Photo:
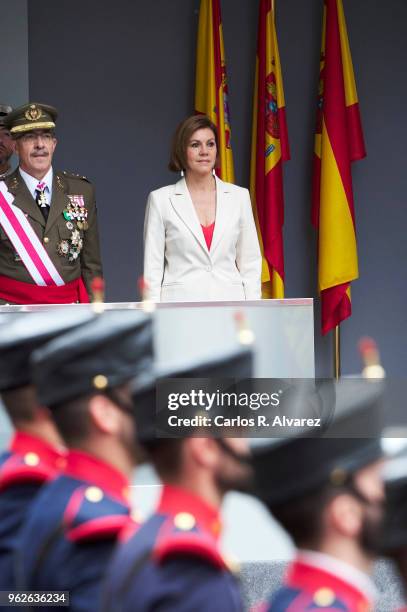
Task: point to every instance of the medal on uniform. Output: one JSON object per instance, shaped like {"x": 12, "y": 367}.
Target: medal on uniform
{"x": 75, "y": 215}
{"x": 63, "y": 248}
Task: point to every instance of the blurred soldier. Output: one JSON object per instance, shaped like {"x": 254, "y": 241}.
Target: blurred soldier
{"x": 328, "y": 494}
{"x": 6, "y": 143}
{"x": 393, "y": 535}
{"x": 75, "y": 522}
{"x": 173, "y": 562}
{"x": 35, "y": 455}
{"x": 49, "y": 246}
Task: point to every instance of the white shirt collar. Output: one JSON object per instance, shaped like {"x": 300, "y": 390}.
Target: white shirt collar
{"x": 350, "y": 574}
{"x": 32, "y": 182}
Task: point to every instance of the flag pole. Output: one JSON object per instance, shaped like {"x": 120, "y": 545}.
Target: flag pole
{"x": 337, "y": 352}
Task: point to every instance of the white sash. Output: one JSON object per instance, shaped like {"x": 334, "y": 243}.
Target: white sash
{"x": 26, "y": 242}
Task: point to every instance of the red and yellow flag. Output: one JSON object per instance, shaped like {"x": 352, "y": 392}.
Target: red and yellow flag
{"x": 211, "y": 88}
{"x": 338, "y": 142}
{"x": 269, "y": 149}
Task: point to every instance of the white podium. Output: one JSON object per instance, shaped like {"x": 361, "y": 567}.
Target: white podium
{"x": 283, "y": 329}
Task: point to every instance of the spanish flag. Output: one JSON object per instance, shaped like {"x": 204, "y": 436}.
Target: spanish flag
{"x": 338, "y": 142}
{"x": 211, "y": 88}
{"x": 269, "y": 149}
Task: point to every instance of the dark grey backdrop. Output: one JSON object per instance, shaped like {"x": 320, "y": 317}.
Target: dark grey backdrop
{"x": 122, "y": 75}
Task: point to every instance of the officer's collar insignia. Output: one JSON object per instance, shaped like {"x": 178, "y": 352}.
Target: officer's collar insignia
{"x": 33, "y": 113}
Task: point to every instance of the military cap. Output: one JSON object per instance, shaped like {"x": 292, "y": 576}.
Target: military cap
{"x": 236, "y": 364}
{"x": 287, "y": 468}
{"x": 115, "y": 347}
{"x": 32, "y": 116}
{"x": 4, "y": 111}
{"x": 22, "y": 333}
{"x": 393, "y": 534}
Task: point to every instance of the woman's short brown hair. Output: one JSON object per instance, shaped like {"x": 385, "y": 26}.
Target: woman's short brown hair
{"x": 182, "y": 136}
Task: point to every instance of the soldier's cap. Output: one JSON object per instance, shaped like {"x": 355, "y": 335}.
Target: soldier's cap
{"x": 22, "y": 333}
{"x": 236, "y": 364}
{"x": 4, "y": 111}
{"x": 113, "y": 348}
{"x": 393, "y": 534}
{"x": 288, "y": 468}
{"x": 32, "y": 116}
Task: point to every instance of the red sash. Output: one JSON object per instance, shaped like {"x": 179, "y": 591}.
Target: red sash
{"x": 16, "y": 292}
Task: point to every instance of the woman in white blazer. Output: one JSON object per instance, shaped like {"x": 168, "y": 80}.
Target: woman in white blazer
{"x": 200, "y": 239}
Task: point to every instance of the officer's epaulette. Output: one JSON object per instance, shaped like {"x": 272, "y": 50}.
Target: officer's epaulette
{"x": 91, "y": 514}
{"x": 181, "y": 536}
{"x": 72, "y": 175}
{"x": 24, "y": 469}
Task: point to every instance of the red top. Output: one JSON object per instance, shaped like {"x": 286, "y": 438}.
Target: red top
{"x": 86, "y": 467}
{"x": 208, "y": 234}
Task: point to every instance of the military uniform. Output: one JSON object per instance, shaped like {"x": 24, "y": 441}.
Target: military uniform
{"x": 77, "y": 520}
{"x": 73, "y": 527}
{"x": 306, "y": 463}
{"x": 69, "y": 235}
{"x": 31, "y": 461}
{"x": 56, "y": 231}
{"x": 173, "y": 561}
{"x": 309, "y": 586}
{"x": 28, "y": 464}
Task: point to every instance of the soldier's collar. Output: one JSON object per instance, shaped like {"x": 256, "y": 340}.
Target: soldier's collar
{"x": 178, "y": 501}
{"x": 336, "y": 573}
{"x": 37, "y": 450}
{"x": 98, "y": 473}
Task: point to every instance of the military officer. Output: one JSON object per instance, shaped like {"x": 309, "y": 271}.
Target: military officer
{"x": 36, "y": 453}
{"x": 327, "y": 492}
{"x": 49, "y": 245}
{"x": 6, "y": 143}
{"x": 76, "y": 520}
{"x": 174, "y": 562}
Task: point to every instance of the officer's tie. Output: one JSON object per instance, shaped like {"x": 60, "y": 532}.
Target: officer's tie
{"x": 41, "y": 199}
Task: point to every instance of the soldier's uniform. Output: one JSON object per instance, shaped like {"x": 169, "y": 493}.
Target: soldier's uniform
{"x": 317, "y": 581}
{"x": 28, "y": 464}
{"x": 30, "y": 461}
{"x": 322, "y": 583}
{"x": 76, "y": 520}
{"x": 69, "y": 235}
{"x": 174, "y": 561}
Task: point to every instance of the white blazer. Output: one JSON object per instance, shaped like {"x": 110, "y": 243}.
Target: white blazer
{"x": 178, "y": 267}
